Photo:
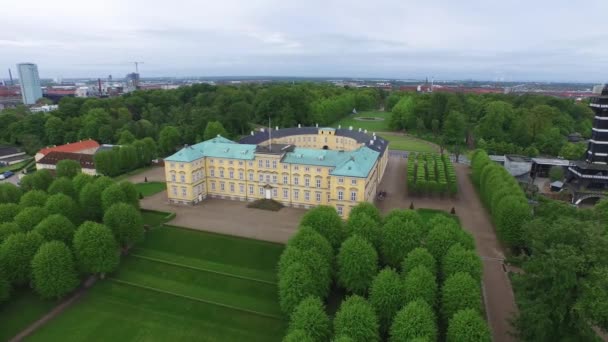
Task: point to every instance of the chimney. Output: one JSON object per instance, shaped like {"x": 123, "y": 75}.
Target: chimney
{"x": 371, "y": 142}
{"x": 317, "y": 125}
{"x": 374, "y": 134}
{"x": 262, "y": 130}
{"x": 339, "y": 126}
{"x": 365, "y": 131}
{"x": 251, "y": 132}
{"x": 350, "y": 128}
{"x": 276, "y": 128}
{"x": 359, "y": 129}
{"x": 374, "y": 137}
{"x": 299, "y": 126}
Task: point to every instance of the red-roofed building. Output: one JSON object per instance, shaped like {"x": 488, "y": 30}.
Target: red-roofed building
{"x": 84, "y": 146}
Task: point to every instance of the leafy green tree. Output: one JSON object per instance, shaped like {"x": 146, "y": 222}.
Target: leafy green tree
{"x": 39, "y": 180}
{"x": 80, "y": 181}
{"x": 398, "y": 239}
{"x": 7, "y": 229}
{"x": 8, "y": 211}
{"x": 56, "y": 227}
{"x": 326, "y": 221}
{"x": 213, "y": 129}
{"x": 593, "y": 302}
{"x": 312, "y": 260}
{"x": 16, "y": 253}
{"x": 458, "y": 259}
{"x": 307, "y": 239}
{"x": 126, "y": 223}
{"x": 357, "y": 264}
{"x": 108, "y": 162}
{"x": 454, "y": 129}
{"x": 54, "y": 130}
{"x": 419, "y": 256}
{"x": 415, "y": 320}
{"x": 443, "y": 236}
{"x": 420, "y": 283}
{"x": 556, "y": 173}
{"x": 112, "y": 195}
{"x": 459, "y": 291}
{"x": 364, "y": 226}
{"x": 64, "y": 186}
{"x": 168, "y": 139}
{"x": 386, "y": 296}
{"x": 65, "y": 206}
{"x": 356, "y": 319}
{"x": 90, "y": 201}
{"x": 29, "y": 217}
{"x": 34, "y": 198}
{"x": 5, "y": 288}
{"x": 511, "y": 214}
{"x": 68, "y": 168}
{"x": 53, "y": 271}
{"x": 297, "y": 336}
{"x": 96, "y": 249}
{"x": 573, "y": 151}
{"x": 367, "y": 208}
{"x": 9, "y": 193}
{"x": 295, "y": 284}
{"x": 468, "y": 326}
{"x": 131, "y": 193}
{"x": 405, "y": 215}
{"x": 310, "y": 317}
{"x": 125, "y": 138}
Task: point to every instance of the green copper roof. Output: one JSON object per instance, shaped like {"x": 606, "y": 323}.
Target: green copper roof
{"x": 218, "y": 147}
{"x": 357, "y": 163}
{"x": 327, "y": 129}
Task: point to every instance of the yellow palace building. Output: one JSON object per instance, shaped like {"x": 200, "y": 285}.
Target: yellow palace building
{"x": 299, "y": 167}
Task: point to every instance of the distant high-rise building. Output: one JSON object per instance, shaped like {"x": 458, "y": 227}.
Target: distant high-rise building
{"x": 132, "y": 81}
{"x": 30, "y": 83}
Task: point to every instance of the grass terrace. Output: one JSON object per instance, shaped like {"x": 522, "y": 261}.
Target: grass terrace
{"x": 399, "y": 141}
{"x": 150, "y": 188}
{"x": 181, "y": 284}
{"x": 24, "y": 308}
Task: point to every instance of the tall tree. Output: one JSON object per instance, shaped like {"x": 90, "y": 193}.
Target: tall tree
{"x": 53, "y": 271}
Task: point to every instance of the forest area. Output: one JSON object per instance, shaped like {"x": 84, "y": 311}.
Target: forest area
{"x": 527, "y": 124}
{"x": 182, "y": 116}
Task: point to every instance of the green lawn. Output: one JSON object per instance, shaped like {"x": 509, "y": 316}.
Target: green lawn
{"x": 373, "y": 126}
{"x": 23, "y": 308}
{"x": 407, "y": 143}
{"x": 16, "y": 166}
{"x": 154, "y": 218}
{"x": 150, "y": 188}
{"x": 181, "y": 285}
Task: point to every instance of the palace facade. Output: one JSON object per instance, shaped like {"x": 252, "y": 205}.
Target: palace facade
{"x": 299, "y": 167}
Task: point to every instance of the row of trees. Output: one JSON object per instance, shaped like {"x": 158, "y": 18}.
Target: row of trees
{"x": 188, "y": 110}
{"x": 130, "y": 156}
{"x": 402, "y": 276}
{"x": 503, "y": 197}
{"x": 500, "y": 124}
{"x": 54, "y": 233}
{"x": 431, "y": 173}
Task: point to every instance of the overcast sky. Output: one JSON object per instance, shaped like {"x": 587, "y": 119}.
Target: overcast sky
{"x": 553, "y": 40}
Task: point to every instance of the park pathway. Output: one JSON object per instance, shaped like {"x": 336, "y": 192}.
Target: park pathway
{"x": 497, "y": 291}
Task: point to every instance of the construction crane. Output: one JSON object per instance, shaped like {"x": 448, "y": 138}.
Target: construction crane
{"x": 137, "y": 66}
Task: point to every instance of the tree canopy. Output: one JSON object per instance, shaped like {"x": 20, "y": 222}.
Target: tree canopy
{"x": 53, "y": 271}
{"x": 357, "y": 320}
{"x": 357, "y": 264}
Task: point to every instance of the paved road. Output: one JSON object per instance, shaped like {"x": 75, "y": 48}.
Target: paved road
{"x": 498, "y": 294}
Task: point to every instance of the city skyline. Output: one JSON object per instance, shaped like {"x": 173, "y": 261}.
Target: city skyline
{"x": 504, "y": 41}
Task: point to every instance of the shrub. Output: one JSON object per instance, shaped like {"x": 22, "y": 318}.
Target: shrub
{"x": 420, "y": 283}
{"x": 53, "y": 272}
{"x": 56, "y": 227}
{"x": 315, "y": 263}
{"x": 468, "y": 326}
{"x": 126, "y": 223}
{"x": 8, "y": 211}
{"x": 63, "y": 186}
{"x": 16, "y": 254}
{"x": 356, "y": 319}
{"x": 34, "y": 198}
{"x": 63, "y": 205}
{"x": 29, "y": 217}
{"x": 415, "y": 320}
{"x": 364, "y": 226}
{"x": 458, "y": 259}
{"x": 398, "y": 239}
{"x": 95, "y": 248}
{"x": 326, "y": 221}
{"x": 386, "y": 296}
{"x": 310, "y": 317}
{"x": 459, "y": 291}
{"x": 419, "y": 257}
{"x": 295, "y": 284}
{"x": 357, "y": 264}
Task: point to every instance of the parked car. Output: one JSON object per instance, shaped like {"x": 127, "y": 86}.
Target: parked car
{"x": 6, "y": 175}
